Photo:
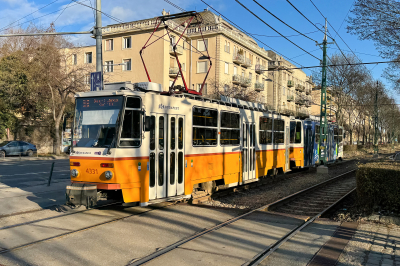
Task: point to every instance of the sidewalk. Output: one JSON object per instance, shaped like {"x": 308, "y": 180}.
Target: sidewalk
{"x": 373, "y": 244}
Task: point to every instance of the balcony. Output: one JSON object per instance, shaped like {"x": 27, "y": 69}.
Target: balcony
{"x": 179, "y": 50}
{"x": 247, "y": 62}
{"x": 260, "y": 69}
{"x": 290, "y": 83}
{"x": 290, "y": 97}
{"x": 173, "y": 72}
{"x": 238, "y": 59}
{"x": 302, "y": 112}
{"x": 246, "y": 82}
{"x": 236, "y": 79}
{"x": 274, "y": 64}
{"x": 258, "y": 86}
{"x": 287, "y": 111}
{"x": 300, "y": 87}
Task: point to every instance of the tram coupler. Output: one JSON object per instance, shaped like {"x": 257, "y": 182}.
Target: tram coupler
{"x": 81, "y": 194}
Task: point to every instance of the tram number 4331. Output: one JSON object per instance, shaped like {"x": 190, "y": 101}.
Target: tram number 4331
{"x": 91, "y": 171}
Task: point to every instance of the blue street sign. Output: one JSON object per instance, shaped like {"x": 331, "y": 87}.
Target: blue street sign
{"x": 95, "y": 81}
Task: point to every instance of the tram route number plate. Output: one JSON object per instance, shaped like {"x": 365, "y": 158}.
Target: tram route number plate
{"x": 91, "y": 171}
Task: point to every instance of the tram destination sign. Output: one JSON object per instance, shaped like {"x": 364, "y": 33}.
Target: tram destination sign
{"x": 100, "y": 103}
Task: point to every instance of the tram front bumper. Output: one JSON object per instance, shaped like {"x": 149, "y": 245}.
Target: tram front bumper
{"x": 81, "y": 194}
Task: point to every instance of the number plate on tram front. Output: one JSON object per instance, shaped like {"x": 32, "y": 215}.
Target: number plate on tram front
{"x": 91, "y": 171}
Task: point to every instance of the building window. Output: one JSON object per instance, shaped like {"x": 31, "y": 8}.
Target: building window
{"x": 283, "y": 90}
{"x": 204, "y": 88}
{"x": 127, "y": 42}
{"x": 74, "y": 59}
{"x": 201, "y": 46}
{"x": 109, "y": 66}
{"x": 226, "y": 88}
{"x": 234, "y": 70}
{"x": 229, "y": 47}
{"x": 127, "y": 65}
{"x": 205, "y": 127}
{"x": 183, "y": 66}
{"x": 88, "y": 58}
{"x": 202, "y": 67}
{"x": 109, "y": 45}
{"x": 226, "y": 68}
{"x": 172, "y": 39}
{"x": 250, "y": 76}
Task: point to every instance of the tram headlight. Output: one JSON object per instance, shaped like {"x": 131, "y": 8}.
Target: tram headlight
{"x": 74, "y": 173}
{"x": 108, "y": 175}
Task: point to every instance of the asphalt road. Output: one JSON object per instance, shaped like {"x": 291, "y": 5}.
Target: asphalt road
{"x": 23, "y": 185}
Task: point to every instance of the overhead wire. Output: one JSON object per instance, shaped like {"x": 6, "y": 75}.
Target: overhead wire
{"x": 62, "y": 11}
{"x": 346, "y": 16}
{"x": 307, "y": 18}
{"x": 339, "y": 36}
{"x": 275, "y": 29}
{"x": 233, "y": 23}
{"x": 2, "y": 29}
{"x": 283, "y": 22}
{"x": 274, "y": 36}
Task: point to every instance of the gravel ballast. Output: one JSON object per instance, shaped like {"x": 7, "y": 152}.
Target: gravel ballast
{"x": 258, "y": 197}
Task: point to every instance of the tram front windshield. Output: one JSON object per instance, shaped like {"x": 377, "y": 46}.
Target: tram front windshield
{"x": 96, "y": 121}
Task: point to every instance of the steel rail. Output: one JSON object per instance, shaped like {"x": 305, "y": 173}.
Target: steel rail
{"x": 221, "y": 225}
{"x": 5, "y": 250}
{"x": 267, "y": 252}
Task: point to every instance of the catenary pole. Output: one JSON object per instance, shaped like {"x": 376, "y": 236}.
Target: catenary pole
{"x": 322, "y": 120}
{"x": 98, "y": 34}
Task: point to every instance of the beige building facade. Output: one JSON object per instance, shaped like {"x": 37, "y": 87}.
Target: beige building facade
{"x": 237, "y": 61}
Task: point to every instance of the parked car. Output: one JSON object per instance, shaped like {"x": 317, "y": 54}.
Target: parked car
{"x": 17, "y": 148}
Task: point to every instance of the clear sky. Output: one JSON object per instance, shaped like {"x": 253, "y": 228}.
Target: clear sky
{"x": 70, "y": 16}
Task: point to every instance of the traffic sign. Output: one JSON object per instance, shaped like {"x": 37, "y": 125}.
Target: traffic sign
{"x": 96, "y": 81}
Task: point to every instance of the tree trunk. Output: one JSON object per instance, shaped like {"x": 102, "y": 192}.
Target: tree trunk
{"x": 56, "y": 146}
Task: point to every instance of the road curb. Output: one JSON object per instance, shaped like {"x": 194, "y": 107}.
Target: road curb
{"x": 20, "y": 159}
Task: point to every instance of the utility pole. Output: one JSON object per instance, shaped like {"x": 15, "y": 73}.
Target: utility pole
{"x": 392, "y": 137}
{"x": 323, "y": 121}
{"x": 98, "y": 34}
{"x": 376, "y": 150}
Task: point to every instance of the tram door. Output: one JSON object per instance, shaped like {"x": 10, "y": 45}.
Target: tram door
{"x": 166, "y": 166}
{"x": 287, "y": 148}
{"x": 249, "y": 151}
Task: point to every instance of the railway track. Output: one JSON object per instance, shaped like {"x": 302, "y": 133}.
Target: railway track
{"x": 319, "y": 207}
{"x": 270, "y": 180}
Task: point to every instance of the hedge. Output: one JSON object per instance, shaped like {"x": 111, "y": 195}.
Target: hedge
{"x": 378, "y": 184}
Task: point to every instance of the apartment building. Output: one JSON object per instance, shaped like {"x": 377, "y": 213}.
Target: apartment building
{"x": 290, "y": 89}
{"x": 237, "y": 60}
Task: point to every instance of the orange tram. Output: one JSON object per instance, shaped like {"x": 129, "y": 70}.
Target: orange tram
{"x": 133, "y": 143}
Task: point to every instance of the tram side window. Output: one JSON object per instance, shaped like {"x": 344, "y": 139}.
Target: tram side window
{"x": 317, "y": 129}
{"x": 205, "y": 126}
{"x": 298, "y": 132}
{"x": 335, "y": 133}
{"x": 292, "y": 131}
{"x": 279, "y": 131}
{"x": 230, "y": 129}
{"x": 131, "y": 127}
{"x": 265, "y": 131}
